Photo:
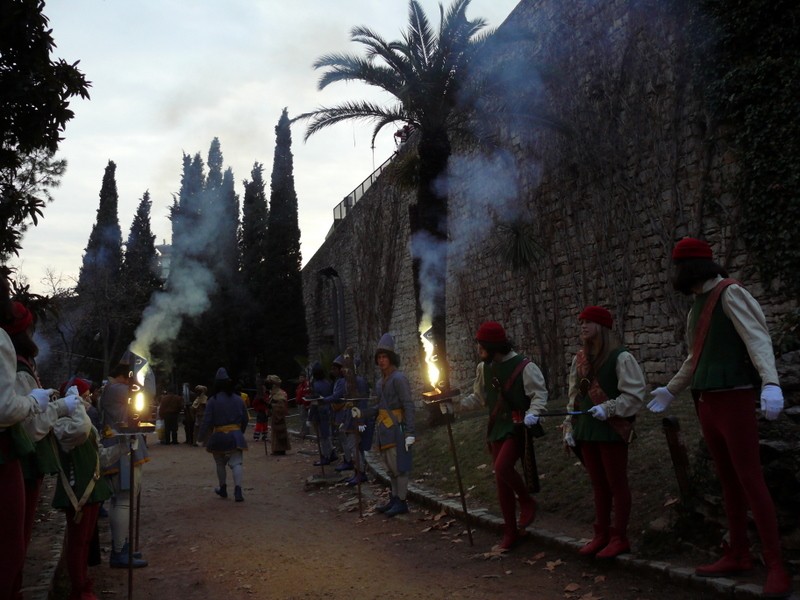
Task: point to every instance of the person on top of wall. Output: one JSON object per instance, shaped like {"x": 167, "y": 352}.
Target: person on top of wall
{"x": 514, "y": 391}
{"x": 605, "y": 382}
{"x": 729, "y": 368}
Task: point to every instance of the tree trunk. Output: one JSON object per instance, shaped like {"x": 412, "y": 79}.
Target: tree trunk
{"x": 428, "y": 223}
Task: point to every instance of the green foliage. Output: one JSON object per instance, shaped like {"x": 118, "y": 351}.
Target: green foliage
{"x": 749, "y": 69}
{"x": 34, "y": 110}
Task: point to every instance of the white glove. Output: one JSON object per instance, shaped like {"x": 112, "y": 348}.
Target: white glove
{"x": 410, "y": 439}
{"x": 530, "y": 420}
{"x": 662, "y": 398}
{"x": 308, "y": 424}
{"x": 362, "y": 428}
{"x": 771, "y": 401}
{"x": 569, "y": 439}
{"x": 71, "y": 402}
{"x": 72, "y": 391}
{"x": 598, "y": 412}
{"x": 42, "y": 397}
{"x": 356, "y": 412}
{"x": 446, "y": 408}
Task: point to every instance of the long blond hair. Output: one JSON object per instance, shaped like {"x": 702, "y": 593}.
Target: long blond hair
{"x": 599, "y": 348}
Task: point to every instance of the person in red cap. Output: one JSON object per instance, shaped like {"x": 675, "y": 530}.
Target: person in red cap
{"x": 607, "y": 384}
{"x": 729, "y": 368}
{"x": 16, "y": 406}
{"x": 513, "y": 389}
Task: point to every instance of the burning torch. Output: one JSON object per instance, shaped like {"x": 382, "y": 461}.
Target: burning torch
{"x": 443, "y": 395}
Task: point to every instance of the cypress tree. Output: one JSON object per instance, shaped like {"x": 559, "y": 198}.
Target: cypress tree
{"x": 254, "y": 252}
{"x": 139, "y": 267}
{"x": 100, "y": 285}
{"x": 286, "y": 338}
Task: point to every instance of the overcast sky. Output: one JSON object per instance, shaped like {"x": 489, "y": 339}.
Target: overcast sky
{"x": 170, "y": 75}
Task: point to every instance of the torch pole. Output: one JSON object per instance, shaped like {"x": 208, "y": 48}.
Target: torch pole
{"x": 448, "y": 418}
{"x": 359, "y": 471}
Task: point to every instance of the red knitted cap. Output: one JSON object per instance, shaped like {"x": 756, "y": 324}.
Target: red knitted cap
{"x": 492, "y": 332}
{"x": 597, "y": 314}
{"x": 691, "y": 248}
{"x": 23, "y": 318}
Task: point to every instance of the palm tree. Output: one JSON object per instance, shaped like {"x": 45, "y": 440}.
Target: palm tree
{"x": 425, "y": 72}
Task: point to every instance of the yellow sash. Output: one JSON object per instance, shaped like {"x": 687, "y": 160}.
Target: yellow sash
{"x": 226, "y": 428}
{"x": 384, "y": 418}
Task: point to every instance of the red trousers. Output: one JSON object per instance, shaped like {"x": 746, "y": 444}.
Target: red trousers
{"x": 12, "y": 526}
{"x": 78, "y": 543}
{"x": 728, "y": 422}
{"x": 510, "y": 484}
{"x": 607, "y": 465}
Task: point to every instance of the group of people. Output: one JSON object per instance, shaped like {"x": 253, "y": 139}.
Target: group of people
{"x": 327, "y": 403}
{"x": 45, "y": 431}
{"x": 191, "y": 404}
{"x": 730, "y": 369}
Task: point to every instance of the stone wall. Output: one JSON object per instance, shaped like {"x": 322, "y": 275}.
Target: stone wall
{"x": 621, "y": 162}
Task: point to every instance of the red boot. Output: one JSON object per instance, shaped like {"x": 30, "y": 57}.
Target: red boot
{"x": 598, "y": 542}
{"x": 617, "y": 544}
{"x": 731, "y": 563}
{"x": 509, "y": 539}
{"x": 779, "y": 583}
{"x": 527, "y": 512}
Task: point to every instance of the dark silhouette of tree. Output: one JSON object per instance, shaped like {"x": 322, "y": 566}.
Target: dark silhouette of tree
{"x": 100, "y": 285}
{"x": 254, "y": 274}
{"x": 286, "y": 338}
{"x": 34, "y": 110}
{"x": 425, "y": 72}
{"x": 140, "y": 277}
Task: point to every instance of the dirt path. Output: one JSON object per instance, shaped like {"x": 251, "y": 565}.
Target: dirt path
{"x": 286, "y": 541}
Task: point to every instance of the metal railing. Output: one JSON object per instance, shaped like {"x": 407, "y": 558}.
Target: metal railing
{"x": 340, "y": 210}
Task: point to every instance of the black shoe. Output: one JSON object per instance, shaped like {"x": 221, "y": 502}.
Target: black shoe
{"x": 322, "y": 462}
{"x": 221, "y": 491}
{"x": 384, "y": 507}
{"x": 119, "y": 560}
{"x": 237, "y": 494}
{"x": 400, "y": 507}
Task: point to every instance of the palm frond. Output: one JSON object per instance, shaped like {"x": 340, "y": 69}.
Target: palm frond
{"x": 359, "y": 111}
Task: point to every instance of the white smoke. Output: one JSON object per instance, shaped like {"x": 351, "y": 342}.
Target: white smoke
{"x": 190, "y": 284}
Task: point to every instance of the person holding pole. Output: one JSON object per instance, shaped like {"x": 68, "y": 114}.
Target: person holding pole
{"x": 608, "y": 386}
{"x": 394, "y": 428}
{"x": 730, "y": 367}
{"x": 513, "y": 389}
{"x": 124, "y": 481}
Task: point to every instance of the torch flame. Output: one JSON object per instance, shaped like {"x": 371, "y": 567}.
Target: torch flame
{"x": 430, "y": 358}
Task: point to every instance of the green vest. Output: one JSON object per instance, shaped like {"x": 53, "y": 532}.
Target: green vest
{"x": 79, "y": 466}
{"x": 42, "y": 461}
{"x": 585, "y": 427}
{"x": 515, "y": 399}
{"x": 20, "y": 444}
{"x": 724, "y": 362}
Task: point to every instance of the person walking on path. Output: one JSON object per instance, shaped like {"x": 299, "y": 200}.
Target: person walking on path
{"x": 224, "y": 424}
{"x": 279, "y": 410}
{"x": 729, "y": 368}
{"x": 394, "y": 429}
{"x": 513, "y": 389}
{"x": 607, "y": 384}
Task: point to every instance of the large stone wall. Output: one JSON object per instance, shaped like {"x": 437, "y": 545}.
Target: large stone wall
{"x": 625, "y": 162}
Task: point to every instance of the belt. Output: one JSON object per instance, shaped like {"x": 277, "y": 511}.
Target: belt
{"x": 226, "y": 428}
